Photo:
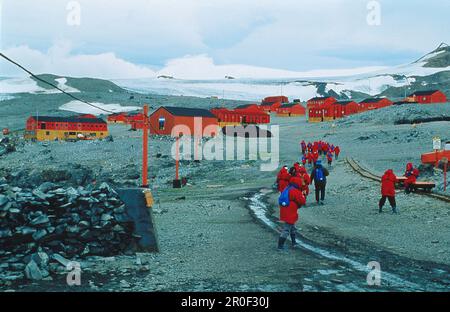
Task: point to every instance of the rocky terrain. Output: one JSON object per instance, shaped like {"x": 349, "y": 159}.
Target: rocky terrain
{"x": 54, "y": 223}
{"x": 53, "y": 194}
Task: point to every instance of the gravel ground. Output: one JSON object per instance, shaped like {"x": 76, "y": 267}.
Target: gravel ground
{"x": 211, "y": 242}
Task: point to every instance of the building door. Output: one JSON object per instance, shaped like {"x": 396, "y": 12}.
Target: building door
{"x": 162, "y": 123}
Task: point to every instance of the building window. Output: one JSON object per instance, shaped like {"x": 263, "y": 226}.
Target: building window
{"x": 162, "y": 123}
{"x": 47, "y": 133}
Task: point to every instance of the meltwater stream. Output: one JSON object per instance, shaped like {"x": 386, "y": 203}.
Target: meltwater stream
{"x": 260, "y": 211}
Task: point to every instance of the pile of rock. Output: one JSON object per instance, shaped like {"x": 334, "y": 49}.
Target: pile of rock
{"x": 58, "y": 223}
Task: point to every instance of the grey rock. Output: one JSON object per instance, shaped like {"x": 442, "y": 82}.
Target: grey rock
{"x": 33, "y": 272}
{"x": 5, "y": 233}
{"x": 46, "y": 187}
{"x": 40, "y": 234}
{"x": 3, "y": 200}
{"x": 43, "y": 219}
{"x": 61, "y": 260}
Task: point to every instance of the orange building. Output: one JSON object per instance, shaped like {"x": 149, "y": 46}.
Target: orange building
{"x": 291, "y": 110}
{"x": 427, "y": 97}
{"x": 187, "y": 121}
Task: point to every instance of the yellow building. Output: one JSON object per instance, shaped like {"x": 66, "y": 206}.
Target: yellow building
{"x": 44, "y": 128}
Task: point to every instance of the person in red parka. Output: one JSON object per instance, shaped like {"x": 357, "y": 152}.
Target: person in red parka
{"x": 315, "y": 157}
{"x": 283, "y": 179}
{"x": 309, "y": 157}
{"x": 306, "y": 181}
{"x": 388, "y": 190}
{"x": 289, "y": 214}
{"x": 411, "y": 175}
{"x": 337, "y": 151}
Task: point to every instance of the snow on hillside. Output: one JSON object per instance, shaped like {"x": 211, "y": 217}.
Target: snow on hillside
{"x": 28, "y": 85}
{"x": 202, "y": 67}
{"x": 83, "y": 108}
{"x": 239, "y": 89}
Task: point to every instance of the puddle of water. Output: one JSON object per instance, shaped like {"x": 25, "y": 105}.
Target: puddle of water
{"x": 259, "y": 209}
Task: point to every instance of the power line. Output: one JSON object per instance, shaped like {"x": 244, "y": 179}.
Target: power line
{"x": 53, "y": 85}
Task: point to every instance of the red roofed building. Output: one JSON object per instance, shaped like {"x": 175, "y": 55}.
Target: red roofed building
{"x": 252, "y": 118}
{"x": 345, "y": 108}
{"x": 227, "y": 117}
{"x": 117, "y": 118}
{"x": 272, "y": 103}
{"x": 319, "y": 101}
{"x": 248, "y": 107}
{"x": 291, "y": 110}
{"x": 427, "y": 97}
{"x": 374, "y": 103}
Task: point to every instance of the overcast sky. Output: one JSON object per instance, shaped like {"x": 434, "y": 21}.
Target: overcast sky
{"x": 139, "y": 36}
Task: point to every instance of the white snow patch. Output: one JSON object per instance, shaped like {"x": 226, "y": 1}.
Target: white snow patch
{"x": 83, "y": 108}
{"x": 199, "y": 67}
{"x": 4, "y": 97}
{"x": 62, "y": 84}
{"x": 239, "y": 89}
{"x": 19, "y": 85}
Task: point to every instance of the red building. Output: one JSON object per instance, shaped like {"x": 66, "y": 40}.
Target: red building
{"x": 44, "y": 128}
{"x": 248, "y": 107}
{"x": 319, "y": 101}
{"x": 254, "y": 118}
{"x": 238, "y": 117}
{"x": 227, "y": 117}
{"x": 345, "y": 108}
{"x": 427, "y": 97}
{"x": 135, "y": 119}
{"x": 272, "y": 103}
{"x": 291, "y": 110}
{"x": 183, "y": 121}
{"x": 374, "y": 103}
{"x": 118, "y": 118}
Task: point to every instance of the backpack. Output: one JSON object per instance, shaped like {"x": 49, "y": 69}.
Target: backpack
{"x": 319, "y": 176}
{"x": 284, "y": 200}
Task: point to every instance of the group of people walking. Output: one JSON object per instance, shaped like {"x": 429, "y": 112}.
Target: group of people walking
{"x": 311, "y": 152}
{"x": 293, "y": 184}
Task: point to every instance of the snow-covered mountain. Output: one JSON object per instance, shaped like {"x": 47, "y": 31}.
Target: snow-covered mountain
{"x": 431, "y": 71}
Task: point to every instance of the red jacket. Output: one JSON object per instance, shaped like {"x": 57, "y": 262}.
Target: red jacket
{"x": 283, "y": 179}
{"x": 337, "y": 150}
{"x": 306, "y": 179}
{"x": 388, "y": 183}
{"x": 296, "y": 198}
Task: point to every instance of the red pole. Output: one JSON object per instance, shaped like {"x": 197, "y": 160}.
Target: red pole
{"x": 145, "y": 149}
{"x": 177, "y": 160}
{"x": 445, "y": 177}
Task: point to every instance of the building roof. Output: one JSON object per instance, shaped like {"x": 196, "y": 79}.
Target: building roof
{"x": 424, "y": 93}
{"x": 245, "y": 106}
{"x": 189, "y": 112}
{"x": 404, "y": 102}
{"x": 290, "y": 105}
{"x": 373, "y": 100}
{"x": 345, "y": 102}
{"x": 321, "y": 98}
{"x": 73, "y": 119}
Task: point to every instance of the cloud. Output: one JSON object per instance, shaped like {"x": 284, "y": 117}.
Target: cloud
{"x": 60, "y": 60}
{"x": 289, "y": 34}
